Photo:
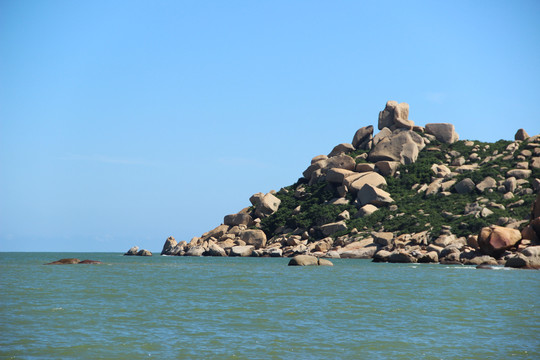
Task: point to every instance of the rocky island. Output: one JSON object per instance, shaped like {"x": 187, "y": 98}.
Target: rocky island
{"x": 408, "y": 193}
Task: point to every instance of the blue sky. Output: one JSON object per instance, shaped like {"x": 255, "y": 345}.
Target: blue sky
{"x": 124, "y": 122}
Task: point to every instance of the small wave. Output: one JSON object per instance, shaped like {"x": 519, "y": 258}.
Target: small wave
{"x": 57, "y": 309}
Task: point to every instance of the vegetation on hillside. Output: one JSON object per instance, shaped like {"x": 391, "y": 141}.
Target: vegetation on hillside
{"x": 415, "y": 211}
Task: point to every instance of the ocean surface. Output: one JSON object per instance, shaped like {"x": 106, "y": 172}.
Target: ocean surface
{"x": 259, "y": 308}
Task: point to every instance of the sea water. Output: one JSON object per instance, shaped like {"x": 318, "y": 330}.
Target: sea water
{"x": 260, "y": 308}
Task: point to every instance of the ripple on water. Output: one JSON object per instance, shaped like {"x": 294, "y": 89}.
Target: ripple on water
{"x": 184, "y": 308}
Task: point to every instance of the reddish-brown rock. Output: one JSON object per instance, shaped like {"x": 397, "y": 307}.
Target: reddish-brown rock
{"x": 494, "y": 240}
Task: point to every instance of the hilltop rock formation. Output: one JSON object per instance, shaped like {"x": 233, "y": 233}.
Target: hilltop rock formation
{"x": 408, "y": 194}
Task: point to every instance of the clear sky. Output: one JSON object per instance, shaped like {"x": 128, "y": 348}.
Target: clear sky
{"x": 125, "y": 122}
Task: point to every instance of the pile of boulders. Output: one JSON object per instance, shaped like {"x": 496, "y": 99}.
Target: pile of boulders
{"x": 134, "y": 251}
{"x": 360, "y": 169}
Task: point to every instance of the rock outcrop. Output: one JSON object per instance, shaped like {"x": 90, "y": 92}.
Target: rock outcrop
{"x": 70, "y": 261}
{"x": 406, "y": 194}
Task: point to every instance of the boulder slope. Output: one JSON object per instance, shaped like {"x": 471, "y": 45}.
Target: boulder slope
{"x": 440, "y": 199}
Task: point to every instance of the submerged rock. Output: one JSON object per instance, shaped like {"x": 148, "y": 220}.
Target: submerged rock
{"x": 70, "y": 261}
{"x": 309, "y": 260}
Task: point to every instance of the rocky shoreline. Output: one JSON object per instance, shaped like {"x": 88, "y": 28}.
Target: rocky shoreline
{"x": 366, "y": 176}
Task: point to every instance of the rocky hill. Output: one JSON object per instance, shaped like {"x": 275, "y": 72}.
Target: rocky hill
{"x": 405, "y": 194}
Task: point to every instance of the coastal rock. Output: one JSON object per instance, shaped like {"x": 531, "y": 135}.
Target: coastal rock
{"x": 481, "y": 260}
{"x": 70, "y": 261}
{"x": 363, "y": 253}
{"x": 243, "y": 251}
{"x": 133, "y": 251}
{"x": 195, "y": 251}
{"x": 169, "y": 245}
{"x": 494, "y": 240}
{"x": 304, "y": 260}
{"x": 325, "y": 262}
{"x": 400, "y": 256}
{"x": 381, "y": 256}
{"x": 65, "y": 261}
{"x": 144, "y": 252}
{"x": 257, "y": 238}
{"x": 429, "y": 257}
{"x": 383, "y": 238}
{"x": 216, "y": 232}
{"x": 215, "y": 250}
{"x": 90, "y": 262}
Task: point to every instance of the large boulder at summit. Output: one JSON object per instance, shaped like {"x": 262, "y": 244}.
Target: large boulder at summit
{"x": 362, "y": 137}
{"x": 402, "y": 146}
{"x": 401, "y": 117}
{"x": 370, "y": 194}
{"x": 253, "y": 237}
{"x": 395, "y": 116}
{"x": 443, "y": 132}
{"x": 238, "y": 219}
{"x": 265, "y": 205}
{"x": 386, "y": 117}
{"x": 494, "y": 240}
{"x": 521, "y": 134}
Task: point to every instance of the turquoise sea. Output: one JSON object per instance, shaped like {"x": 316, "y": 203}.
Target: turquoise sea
{"x": 259, "y": 308}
